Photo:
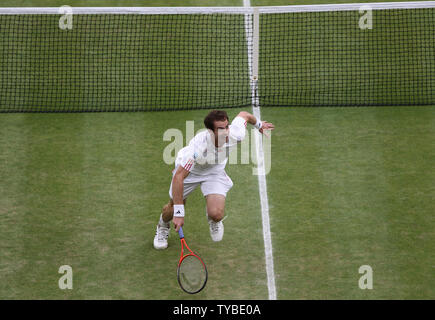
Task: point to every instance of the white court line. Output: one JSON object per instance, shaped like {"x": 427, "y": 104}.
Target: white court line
{"x": 262, "y": 186}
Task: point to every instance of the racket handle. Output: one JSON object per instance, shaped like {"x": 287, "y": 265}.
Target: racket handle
{"x": 180, "y": 232}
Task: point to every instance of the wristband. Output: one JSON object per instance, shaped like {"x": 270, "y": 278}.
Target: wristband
{"x": 258, "y": 124}
{"x": 178, "y": 210}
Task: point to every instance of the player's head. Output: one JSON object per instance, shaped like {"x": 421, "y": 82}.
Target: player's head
{"x": 217, "y": 122}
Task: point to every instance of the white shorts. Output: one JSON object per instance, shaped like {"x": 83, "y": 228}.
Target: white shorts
{"x": 218, "y": 183}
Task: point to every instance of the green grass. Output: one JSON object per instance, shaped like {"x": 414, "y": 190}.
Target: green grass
{"x": 348, "y": 186}
{"x": 86, "y": 190}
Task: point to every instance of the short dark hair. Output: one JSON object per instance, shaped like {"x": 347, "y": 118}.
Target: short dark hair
{"x": 215, "y": 115}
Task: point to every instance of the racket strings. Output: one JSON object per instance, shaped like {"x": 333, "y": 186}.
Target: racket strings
{"x": 192, "y": 274}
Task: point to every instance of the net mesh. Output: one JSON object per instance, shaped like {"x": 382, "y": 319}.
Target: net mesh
{"x": 123, "y": 62}
{"x": 140, "y": 62}
{"x": 326, "y": 59}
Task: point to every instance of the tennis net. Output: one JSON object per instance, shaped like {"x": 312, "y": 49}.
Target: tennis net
{"x": 139, "y": 59}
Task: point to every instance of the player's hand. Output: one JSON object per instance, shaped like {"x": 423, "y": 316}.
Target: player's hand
{"x": 266, "y": 126}
{"x": 178, "y": 222}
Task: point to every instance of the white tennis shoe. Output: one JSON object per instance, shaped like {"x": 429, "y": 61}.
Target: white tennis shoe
{"x": 216, "y": 230}
{"x": 161, "y": 238}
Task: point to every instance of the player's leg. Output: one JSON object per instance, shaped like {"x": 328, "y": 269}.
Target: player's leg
{"x": 215, "y": 204}
{"x": 215, "y": 189}
{"x": 163, "y": 227}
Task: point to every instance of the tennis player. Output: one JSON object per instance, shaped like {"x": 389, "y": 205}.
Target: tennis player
{"x": 202, "y": 163}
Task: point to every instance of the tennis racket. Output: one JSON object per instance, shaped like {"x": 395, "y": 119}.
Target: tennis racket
{"x": 191, "y": 272}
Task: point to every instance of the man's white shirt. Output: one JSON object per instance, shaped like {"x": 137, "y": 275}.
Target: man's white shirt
{"x": 202, "y": 157}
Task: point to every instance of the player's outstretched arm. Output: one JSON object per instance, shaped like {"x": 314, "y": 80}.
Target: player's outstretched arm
{"x": 177, "y": 197}
{"x": 259, "y": 124}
